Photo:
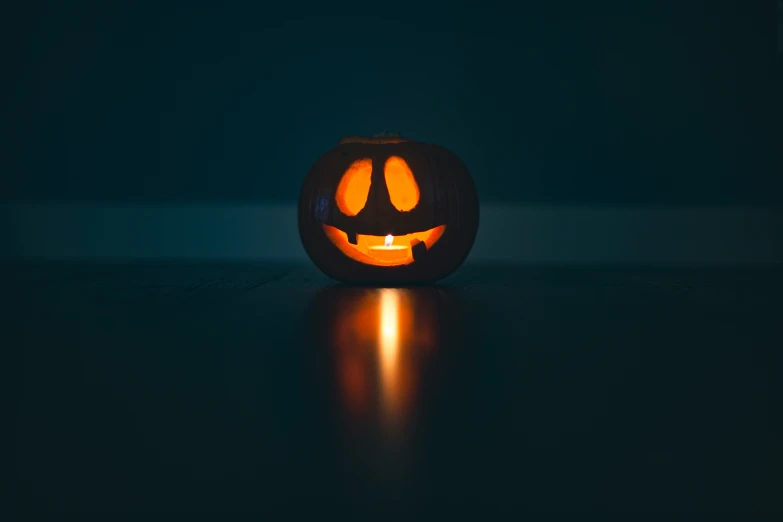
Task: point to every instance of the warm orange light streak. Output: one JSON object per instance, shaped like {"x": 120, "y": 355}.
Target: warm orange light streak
{"x": 389, "y": 348}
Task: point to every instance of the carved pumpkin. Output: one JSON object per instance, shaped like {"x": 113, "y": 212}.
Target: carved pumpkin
{"x": 388, "y": 210}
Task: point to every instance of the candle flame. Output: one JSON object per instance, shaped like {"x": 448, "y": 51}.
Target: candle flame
{"x": 388, "y": 240}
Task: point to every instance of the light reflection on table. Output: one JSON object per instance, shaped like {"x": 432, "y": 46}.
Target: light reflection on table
{"x": 382, "y": 338}
{"x": 381, "y": 348}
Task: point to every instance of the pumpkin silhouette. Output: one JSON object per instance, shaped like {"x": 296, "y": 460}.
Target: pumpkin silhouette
{"x": 385, "y": 209}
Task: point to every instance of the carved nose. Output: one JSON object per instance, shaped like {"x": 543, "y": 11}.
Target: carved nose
{"x": 379, "y": 198}
{"x": 384, "y": 216}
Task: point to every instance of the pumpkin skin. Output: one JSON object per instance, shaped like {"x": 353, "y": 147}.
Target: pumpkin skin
{"x": 366, "y": 189}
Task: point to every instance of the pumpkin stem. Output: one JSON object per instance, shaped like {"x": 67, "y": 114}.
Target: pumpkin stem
{"x": 388, "y": 134}
{"x": 376, "y": 139}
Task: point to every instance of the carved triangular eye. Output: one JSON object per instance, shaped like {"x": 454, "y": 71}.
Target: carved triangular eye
{"x": 354, "y": 186}
{"x": 403, "y": 190}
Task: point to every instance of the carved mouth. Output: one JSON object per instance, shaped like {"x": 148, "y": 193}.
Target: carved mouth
{"x": 382, "y": 251}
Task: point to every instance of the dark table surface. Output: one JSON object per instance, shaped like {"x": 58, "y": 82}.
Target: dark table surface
{"x": 143, "y": 388}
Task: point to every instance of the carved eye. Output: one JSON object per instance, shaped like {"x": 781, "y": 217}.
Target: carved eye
{"x": 403, "y": 190}
{"x": 354, "y": 187}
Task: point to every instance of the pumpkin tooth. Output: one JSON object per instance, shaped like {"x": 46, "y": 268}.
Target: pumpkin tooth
{"x": 418, "y": 249}
{"x": 352, "y": 238}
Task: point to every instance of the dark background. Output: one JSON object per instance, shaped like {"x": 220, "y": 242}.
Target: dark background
{"x": 558, "y": 102}
{"x": 144, "y": 381}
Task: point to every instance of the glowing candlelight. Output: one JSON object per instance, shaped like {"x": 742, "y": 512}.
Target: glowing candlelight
{"x": 388, "y": 251}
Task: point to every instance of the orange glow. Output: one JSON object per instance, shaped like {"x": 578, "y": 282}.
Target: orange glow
{"x": 382, "y": 338}
{"x": 354, "y": 187}
{"x": 389, "y": 251}
{"x": 403, "y": 190}
{"x": 392, "y": 378}
{"x": 364, "y": 252}
{"x": 388, "y": 332}
{"x": 354, "y": 384}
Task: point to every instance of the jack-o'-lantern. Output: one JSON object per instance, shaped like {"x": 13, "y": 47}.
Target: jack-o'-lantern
{"x": 388, "y": 210}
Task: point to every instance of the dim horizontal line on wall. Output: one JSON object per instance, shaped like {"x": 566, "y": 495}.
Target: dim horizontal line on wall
{"x": 670, "y": 236}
